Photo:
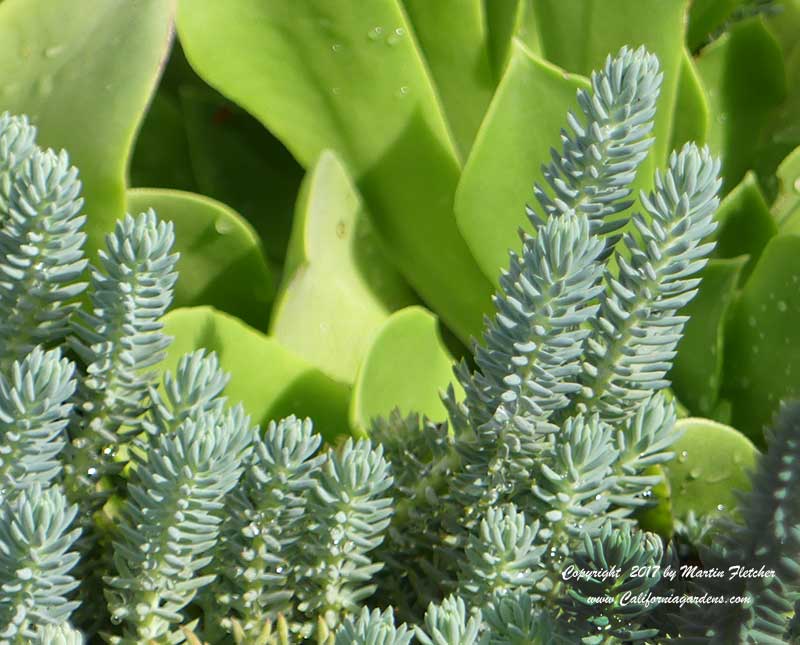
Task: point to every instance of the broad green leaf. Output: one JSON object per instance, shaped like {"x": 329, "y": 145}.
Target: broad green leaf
{"x": 221, "y": 261}
{"x": 527, "y": 113}
{"x": 697, "y": 370}
{"x": 784, "y": 23}
{"x": 338, "y": 287}
{"x": 502, "y": 22}
{"x": 453, "y": 37}
{"x": 784, "y": 127}
{"x": 268, "y": 379}
{"x": 238, "y": 162}
{"x": 712, "y": 461}
{"x": 762, "y": 344}
{"x": 161, "y": 156}
{"x": 406, "y": 366}
{"x": 349, "y": 77}
{"x": 658, "y": 518}
{"x": 787, "y": 204}
{"x": 745, "y": 83}
{"x": 83, "y": 70}
{"x": 705, "y": 18}
{"x": 745, "y": 224}
{"x": 578, "y": 35}
{"x": 691, "y": 118}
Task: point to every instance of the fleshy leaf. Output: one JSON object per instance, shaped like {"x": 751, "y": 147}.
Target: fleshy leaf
{"x": 762, "y": 345}
{"x": 745, "y": 82}
{"x": 83, "y": 70}
{"x": 458, "y": 59}
{"x": 745, "y": 224}
{"x": 658, "y": 518}
{"x": 712, "y": 461}
{"x": 161, "y": 156}
{"x": 268, "y": 379}
{"x": 221, "y": 261}
{"x": 320, "y": 75}
{"x": 236, "y": 161}
{"x": 696, "y": 374}
{"x": 705, "y": 18}
{"x": 522, "y": 124}
{"x": 579, "y": 35}
{"x": 338, "y": 288}
{"x": 691, "y": 116}
{"x": 787, "y": 204}
{"x": 504, "y": 20}
{"x": 405, "y": 367}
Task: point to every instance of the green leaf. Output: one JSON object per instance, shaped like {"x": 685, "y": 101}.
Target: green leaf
{"x": 745, "y": 224}
{"x": 784, "y": 127}
{"x": 705, "y": 18}
{"x": 522, "y": 124}
{"x": 406, "y": 366}
{"x": 712, "y": 461}
{"x": 350, "y": 78}
{"x": 745, "y": 82}
{"x": 697, "y": 370}
{"x": 502, "y": 23}
{"x": 787, "y": 204}
{"x": 458, "y": 59}
{"x": 579, "y": 35}
{"x": 239, "y": 163}
{"x": 338, "y": 287}
{"x": 691, "y": 119}
{"x": 161, "y": 156}
{"x": 268, "y": 379}
{"x": 658, "y": 518}
{"x": 762, "y": 346}
{"x": 83, "y": 70}
{"x": 221, "y": 261}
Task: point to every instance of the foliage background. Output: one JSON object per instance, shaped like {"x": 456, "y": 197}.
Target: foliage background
{"x": 346, "y": 178}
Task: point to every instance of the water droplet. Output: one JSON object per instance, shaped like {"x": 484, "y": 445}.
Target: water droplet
{"x": 797, "y": 184}
{"x": 341, "y": 229}
{"x": 752, "y": 321}
{"x": 683, "y": 456}
{"x": 395, "y": 36}
{"x": 694, "y": 473}
{"x": 336, "y": 91}
{"x": 720, "y": 507}
{"x": 52, "y": 52}
{"x": 375, "y": 33}
{"x": 782, "y": 306}
{"x": 403, "y": 91}
{"x": 223, "y": 226}
{"x": 336, "y": 47}
{"x": 722, "y": 117}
